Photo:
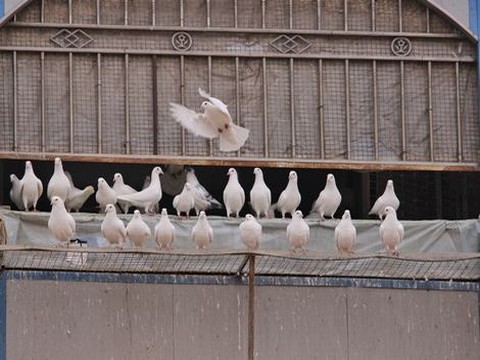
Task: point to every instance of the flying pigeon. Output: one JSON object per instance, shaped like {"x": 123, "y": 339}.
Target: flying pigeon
{"x": 112, "y": 228}
{"x": 31, "y": 188}
{"x": 105, "y": 194}
{"x": 138, "y": 231}
{"x": 60, "y": 223}
{"x": 164, "y": 233}
{"x": 250, "y": 232}
{"x": 121, "y": 188}
{"x": 298, "y": 232}
{"x": 260, "y": 195}
{"x": 391, "y": 231}
{"x": 16, "y": 192}
{"x": 77, "y": 197}
{"x": 58, "y": 184}
{"x": 202, "y": 232}
{"x": 148, "y": 197}
{"x": 345, "y": 234}
{"x": 233, "y": 194}
{"x": 329, "y": 199}
{"x": 203, "y": 199}
{"x": 290, "y": 198}
{"x": 214, "y": 122}
{"x": 388, "y": 198}
{"x": 184, "y": 202}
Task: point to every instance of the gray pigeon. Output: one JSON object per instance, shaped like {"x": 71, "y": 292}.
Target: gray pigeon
{"x": 105, "y": 194}
{"x": 260, "y": 195}
{"x": 214, "y": 122}
{"x": 298, "y": 232}
{"x": 59, "y": 185}
{"x": 16, "y": 192}
{"x": 250, "y": 232}
{"x": 77, "y": 197}
{"x": 202, "y": 232}
{"x": 164, "y": 233}
{"x": 388, "y": 198}
{"x": 32, "y": 188}
{"x": 112, "y": 228}
{"x": 391, "y": 231}
{"x": 121, "y": 188}
{"x": 60, "y": 223}
{"x": 203, "y": 199}
{"x": 184, "y": 202}
{"x": 290, "y": 198}
{"x": 148, "y": 197}
{"x": 345, "y": 234}
{"x": 233, "y": 194}
{"x": 138, "y": 231}
{"x": 329, "y": 199}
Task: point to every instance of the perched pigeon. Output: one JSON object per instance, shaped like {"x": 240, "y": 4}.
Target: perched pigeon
{"x": 148, "y": 197}
{"x": 184, "y": 202}
{"x": 58, "y": 184}
{"x": 60, "y": 223}
{"x": 391, "y": 231}
{"x": 202, "y": 232}
{"x": 105, "y": 194}
{"x": 214, "y": 122}
{"x": 290, "y": 198}
{"x": 138, "y": 231}
{"x": 77, "y": 197}
{"x": 345, "y": 234}
{"x": 233, "y": 195}
{"x": 260, "y": 195}
{"x": 121, "y": 188}
{"x": 146, "y": 183}
{"x": 203, "y": 199}
{"x": 112, "y": 228}
{"x": 329, "y": 199}
{"x": 31, "y": 188}
{"x": 16, "y": 192}
{"x": 298, "y": 232}
{"x": 250, "y": 232}
{"x": 164, "y": 233}
{"x": 388, "y": 198}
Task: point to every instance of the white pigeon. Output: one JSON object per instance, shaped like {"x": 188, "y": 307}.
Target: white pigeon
{"x": 203, "y": 199}
{"x": 233, "y": 194}
{"x": 138, "y": 231}
{"x": 112, "y": 228}
{"x": 260, "y": 195}
{"x": 31, "y": 188}
{"x": 391, "y": 231}
{"x": 105, "y": 194}
{"x": 290, "y": 198}
{"x": 214, "y": 122}
{"x": 388, "y": 198}
{"x": 345, "y": 234}
{"x": 329, "y": 199}
{"x": 60, "y": 223}
{"x": 146, "y": 183}
{"x": 298, "y": 232}
{"x": 77, "y": 197}
{"x": 164, "y": 233}
{"x": 58, "y": 184}
{"x": 184, "y": 202}
{"x": 148, "y": 197}
{"x": 121, "y": 188}
{"x": 16, "y": 192}
{"x": 250, "y": 232}
{"x": 202, "y": 232}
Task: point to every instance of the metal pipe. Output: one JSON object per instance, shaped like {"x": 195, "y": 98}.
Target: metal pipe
{"x": 400, "y": 20}
{"x": 42, "y": 11}
{"x": 265, "y": 108}
{"x": 263, "y": 14}
{"x": 292, "y": 109}
{"x": 155, "y": 104}
{"x": 182, "y": 96}
{"x": 375, "y": 109}
{"x": 374, "y": 16}
{"x": 321, "y": 109}
{"x": 235, "y": 11}
{"x": 42, "y": 99}
{"x": 251, "y": 307}
{"x": 237, "y": 94}
{"x": 99, "y": 102}
{"x": 70, "y": 15}
{"x": 430, "y": 111}
{"x": 127, "y": 106}
{"x": 126, "y": 12}
{"x": 70, "y": 96}
{"x": 208, "y": 13}
{"x": 209, "y": 76}
{"x": 290, "y": 14}
{"x": 459, "y": 114}
{"x": 15, "y": 101}
{"x": 98, "y": 12}
{"x": 347, "y": 106}
{"x": 319, "y": 14}
{"x": 345, "y": 15}
{"x": 182, "y": 14}
{"x": 402, "y": 108}
{"x": 154, "y": 9}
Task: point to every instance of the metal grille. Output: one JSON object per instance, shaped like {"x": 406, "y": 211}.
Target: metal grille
{"x": 428, "y": 267}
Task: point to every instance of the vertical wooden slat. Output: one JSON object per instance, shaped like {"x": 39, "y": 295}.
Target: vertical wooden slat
{"x": 458, "y": 113}
{"x": 430, "y": 111}
{"x": 42, "y": 11}
{"x": 125, "y": 17}
{"x": 345, "y": 15}
{"x": 42, "y": 99}
{"x": 265, "y": 107}
{"x": 402, "y": 108}
{"x": 98, "y": 12}
{"x": 235, "y": 12}
{"x": 290, "y": 14}
{"x": 209, "y": 76}
{"x": 127, "y": 106}
{"x": 400, "y": 21}
{"x": 155, "y": 104}
{"x": 321, "y": 110}
{"x": 428, "y": 19}
{"x": 374, "y": 16}
{"x": 347, "y": 105}
{"x": 70, "y": 15}
{"x": 237, "y": 94}
{"x": 319, "y": 14}
{"x": 70, "y": 96}
{"x": 182, "y": 13}
{"x": 292, "y": 109}
{"x": 15, "y": 101}
{"x": 154, "y": 20}
{"x": 182, "y": 98}
{"x": 208, "y": 13}
{"x": 375, "y": 109}
{"x": 263, "y": 14}
{"x": 99, "y": 102}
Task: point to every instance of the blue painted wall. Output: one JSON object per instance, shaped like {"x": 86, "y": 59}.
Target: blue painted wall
{"x": 2, "y": 8}
{"x": 474, "y": 15}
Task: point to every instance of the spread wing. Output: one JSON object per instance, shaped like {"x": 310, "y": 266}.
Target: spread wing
{"x": 217, "y": 102}
{"x": 194, "y": 122}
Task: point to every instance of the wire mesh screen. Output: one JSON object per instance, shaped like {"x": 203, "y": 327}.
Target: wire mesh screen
{"x": 140, "y": 12}
{"x": 250, "y": 14}
{"x": 332, "y": 15}
{"x": 387, "y": 15}
{"x": 32, "y": 13}
{"x": 359, "y": 15}
{"x": 6, "y": 101}
{"x": 222, "y": 13}
{"x": 469, "y": 113}
{"x": 84, "y": 12}
{"x": 112, "y": 12}
{"x": 414, "y": 16}
{"x": 167, "y": 13}
{"x": 55, "y": 11}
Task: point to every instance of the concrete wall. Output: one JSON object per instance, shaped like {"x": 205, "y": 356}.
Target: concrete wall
{"x": 94, "y": 320}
